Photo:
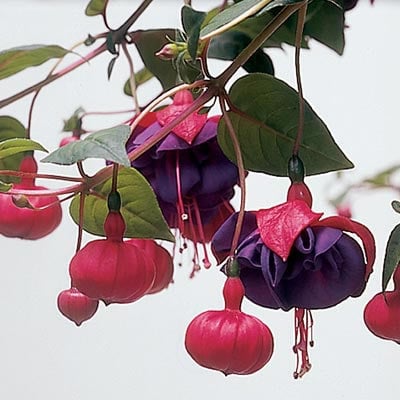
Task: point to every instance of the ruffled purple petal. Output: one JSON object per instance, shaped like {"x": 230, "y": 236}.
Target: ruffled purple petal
{"x": 324, "y": 267}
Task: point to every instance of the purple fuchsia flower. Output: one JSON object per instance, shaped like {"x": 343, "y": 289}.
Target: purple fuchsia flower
{"x": 290, "y": 258}
{"x": 192, "y": 178}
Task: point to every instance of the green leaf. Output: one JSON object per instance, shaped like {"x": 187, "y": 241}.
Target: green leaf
{"x": 141, "y": 77}
{"x": 191, "y": 22}
{"x": 108, "y": 144}
{"x": 18, "y": 58}
{"x": 150, "y": 42}
{"x": 392, "y": 256}
{"x": 326, "y": 24}
{"x": 139, "y": 208}
{"x": 96, "y": 7}
{"x": 236, "y": 10}
{"x": 11, "y": 147}
{"x": 74, "y": 122}
{"x": 267, "y": 128}
{"x": 5, "y": 187}
{"x": 229, "y": 45}
{"x": 11, "y": 128}
{"x": 396, "y": 206}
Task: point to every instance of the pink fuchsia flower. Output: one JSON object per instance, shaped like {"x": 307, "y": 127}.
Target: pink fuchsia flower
{"x": 229, "y": 340}
{"x": 192, "y": 178}
{"x": 290, "y": 257}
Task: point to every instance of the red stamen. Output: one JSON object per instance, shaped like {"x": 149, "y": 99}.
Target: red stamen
{"x": 303, "y": 323}
{"x": 206, "y": 260}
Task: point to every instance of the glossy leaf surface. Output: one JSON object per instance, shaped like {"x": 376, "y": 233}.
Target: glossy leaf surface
{"x": 140, "y": 209}
{"x": 96, "y": 7}
{"x": 266, "y": 126}
{"x": 392, "y": 256}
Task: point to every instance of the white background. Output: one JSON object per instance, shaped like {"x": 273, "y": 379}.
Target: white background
{"x": 136, "y": 351}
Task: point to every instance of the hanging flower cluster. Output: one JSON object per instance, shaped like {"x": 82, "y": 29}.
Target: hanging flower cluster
{"x": 192, "y": 178}
{"x": 291, "y": 258}
{"x": 114, "y": 271}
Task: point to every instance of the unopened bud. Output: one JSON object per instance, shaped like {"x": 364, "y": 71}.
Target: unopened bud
{"x": 170, "y": 51}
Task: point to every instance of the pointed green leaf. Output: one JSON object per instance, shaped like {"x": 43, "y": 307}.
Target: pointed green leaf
{"x": 108, "y": 144}
{"x": 14, "y": 146}
{"x": 11, "y": 128}
{"x": 141, "y": 77}
{"x": 326, "y": 24}
{"x": 236, "y": 10}
{"x": 229, "y": 45}
{"x": 191, "y": 22}
{"x": 267, "y": 129}
{"x": 18, "y": 58}
{"x": 139, "y": 208}
{"x": 150, "y": 42}
{"x": 96, "y": 7}
{"x": 396, "y": 206}
{"x": 392, "y": 256}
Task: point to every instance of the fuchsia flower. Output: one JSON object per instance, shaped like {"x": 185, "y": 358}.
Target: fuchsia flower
{"x": 289, "y": 257}
{"x": 192, "y": 178}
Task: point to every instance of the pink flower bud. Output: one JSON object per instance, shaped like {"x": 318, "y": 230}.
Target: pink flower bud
{"x": 76, "y": 306}
{"x": 40, "y": 214}
{"x": 229, "y": 340}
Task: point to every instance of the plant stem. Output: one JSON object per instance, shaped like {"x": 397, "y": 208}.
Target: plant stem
{"x": 132, "y": 82}
{"x": 256, "y": 43}
{"x": 242, "y": 176}
{"x": 299, "y": 36}
{"x": 53, "y": 77}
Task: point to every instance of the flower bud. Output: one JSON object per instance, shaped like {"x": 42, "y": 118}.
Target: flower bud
{"x": 229, "y": 340}
{"x": 76, "y": 306}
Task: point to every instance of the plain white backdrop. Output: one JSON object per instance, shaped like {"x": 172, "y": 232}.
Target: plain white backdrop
{"x": 136, "y": 351}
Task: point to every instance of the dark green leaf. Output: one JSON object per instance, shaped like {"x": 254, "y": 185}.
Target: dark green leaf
{"x": 11, "y": 128}
{"x": 188, "y": 70}
{"x": 392, "y": 256}
{"x": 229, "y": 45}
{"x": 396, "y": 206}
{"x": 96, "y": 7}
{"x": 11, "y": 147}
{"x": 326, "y": 24}
{"x": 236, "y": 10}
{"x": 141, "y": 77}
{"x": 191, "y": 22}
{"x": 150, "y": 42}
{"x": 267, "y": 128}
{"x": 108, "y": 144}
{"x": 18, "y": 58}
{"x": 111, "y": 67}
{"x": 140, "y": 210}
